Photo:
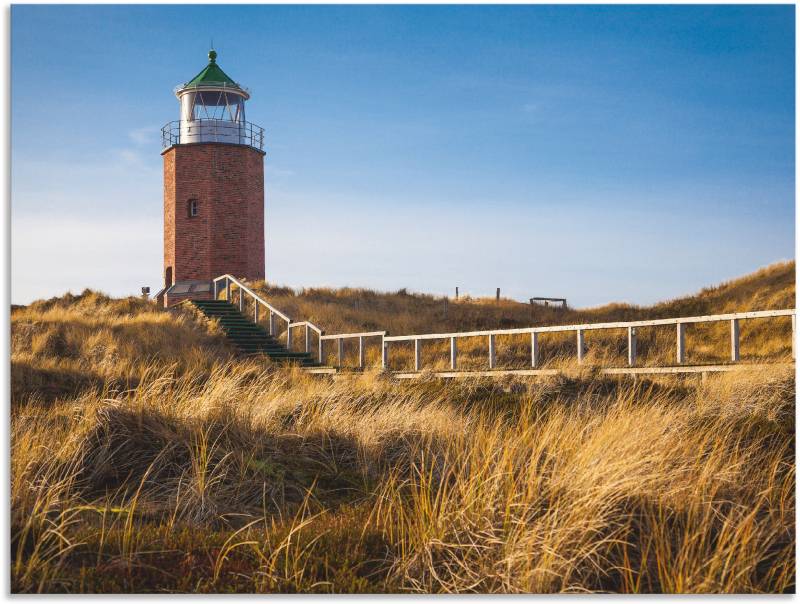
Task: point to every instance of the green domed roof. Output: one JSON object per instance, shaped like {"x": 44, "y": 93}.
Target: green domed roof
{"x": 212, "y": 75}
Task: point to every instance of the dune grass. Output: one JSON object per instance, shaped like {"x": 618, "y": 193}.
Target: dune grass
{"x": 146, "y": 457}
{"x": 65, "y": 345}
{"x": 246, "y": 480}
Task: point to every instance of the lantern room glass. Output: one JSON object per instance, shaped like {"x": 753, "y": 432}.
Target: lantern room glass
{"x": 212, "y": 105}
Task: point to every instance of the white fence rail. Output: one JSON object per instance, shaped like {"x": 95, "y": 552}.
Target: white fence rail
{"x": 582, "y": 328}
{"x": 308, "y": 328}
{"x": 231, "y": 284}
{"x": 341, "y": 337}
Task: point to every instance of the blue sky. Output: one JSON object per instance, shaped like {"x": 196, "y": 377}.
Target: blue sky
{"x": 614, "y": 153}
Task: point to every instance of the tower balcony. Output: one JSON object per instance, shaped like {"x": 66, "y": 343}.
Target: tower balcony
{"x": 187, "y": 132}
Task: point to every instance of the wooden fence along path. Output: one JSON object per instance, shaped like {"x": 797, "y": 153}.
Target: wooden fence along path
{"x": 232, "y": 285}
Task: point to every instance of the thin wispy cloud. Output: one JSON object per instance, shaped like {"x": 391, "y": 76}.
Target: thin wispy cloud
{"x": 147, "y": 135}
{"x": 130, "y": 156}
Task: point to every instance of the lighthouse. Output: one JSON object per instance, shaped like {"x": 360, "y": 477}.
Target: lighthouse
{"x": 213, "y": 188}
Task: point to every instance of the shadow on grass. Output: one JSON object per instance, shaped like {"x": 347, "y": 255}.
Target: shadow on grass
{"x": 46, "y": 384}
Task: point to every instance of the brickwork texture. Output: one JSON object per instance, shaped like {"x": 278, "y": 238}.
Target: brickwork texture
{"x": 227, "y": 234}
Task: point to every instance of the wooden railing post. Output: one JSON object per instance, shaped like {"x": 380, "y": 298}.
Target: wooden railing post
{"x": 492, "y": 355}
{"x": 288, "y": 335}
{"x": 272, "y": 324}
{"x": 580, "y": 345}
{"x": 361, "y": 352}
{"x": 321, "y": 349}
{"x": 534, "y": 349}
{"x": 681, "y": 338}
{"x": 631, "y": 346}
{"x": 453, "y": 353}
{"x": 255, "y": 311}
{"x": 308, "y": 339}
{"x": 216, "y": 289}
{"x": 734, "y": 339}
{"x": 340, "y": 350}
{"x": 417, "y": 354}
{"x": 384, "y": 354}
{"x": 241, "y": 300}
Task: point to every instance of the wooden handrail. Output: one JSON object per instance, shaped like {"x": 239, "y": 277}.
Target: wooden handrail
{"x": 255, "y": 296}
{"x": 308, "y": 324}
{"x": 364, "y": 334}
{"x": 590, "y": 326}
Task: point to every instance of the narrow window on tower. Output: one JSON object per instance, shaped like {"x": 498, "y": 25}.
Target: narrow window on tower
{"x": 192, "y": 208}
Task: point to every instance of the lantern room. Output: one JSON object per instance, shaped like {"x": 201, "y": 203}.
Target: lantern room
{"x": 212, "y": 111}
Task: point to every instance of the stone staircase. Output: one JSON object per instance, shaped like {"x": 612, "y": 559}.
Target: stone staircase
{"x": 250, "y": 338}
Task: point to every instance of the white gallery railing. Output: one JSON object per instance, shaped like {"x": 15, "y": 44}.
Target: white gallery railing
{"x": 230, "y": 283}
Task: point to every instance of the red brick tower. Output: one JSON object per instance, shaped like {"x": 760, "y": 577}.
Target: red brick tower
{"x": 213, "y": 188}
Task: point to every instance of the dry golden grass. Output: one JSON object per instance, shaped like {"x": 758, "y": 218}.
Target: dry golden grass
{"x": 64, "y": 345}
{"x": 146, "y": 458}
{"x": 261, "y": 481}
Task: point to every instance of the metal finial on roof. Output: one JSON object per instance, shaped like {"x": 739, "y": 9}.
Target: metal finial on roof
{"x": 212, "y": 75}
